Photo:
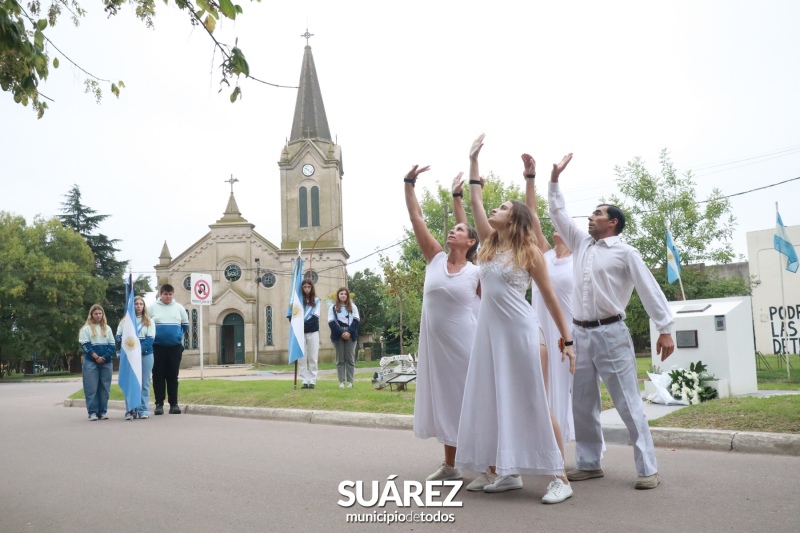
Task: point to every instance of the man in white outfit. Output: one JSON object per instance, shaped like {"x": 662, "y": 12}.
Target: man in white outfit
{"x": 606, "y": 271}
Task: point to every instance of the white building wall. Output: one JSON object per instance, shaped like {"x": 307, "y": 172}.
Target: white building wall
{"x": 776, "y": 293}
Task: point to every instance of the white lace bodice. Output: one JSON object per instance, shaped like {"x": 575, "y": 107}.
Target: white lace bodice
{"x": 503, "y": 266}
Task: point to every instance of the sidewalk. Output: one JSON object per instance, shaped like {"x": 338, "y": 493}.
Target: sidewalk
{"x": 614, "y": 430}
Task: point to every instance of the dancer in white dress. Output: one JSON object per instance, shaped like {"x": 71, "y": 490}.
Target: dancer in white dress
{"x": 558, "y": 378}
{"x": 446, "y": 329}
{"x": 505, "y": 419}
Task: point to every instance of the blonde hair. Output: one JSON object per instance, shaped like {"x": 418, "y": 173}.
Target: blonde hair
{"x": 524, "y": 247}
{"x": 145, "y": 316}
{"x": 91, "y": 323}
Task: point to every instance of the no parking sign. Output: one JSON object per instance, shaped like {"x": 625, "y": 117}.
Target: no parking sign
{"x": 201, "y": 289}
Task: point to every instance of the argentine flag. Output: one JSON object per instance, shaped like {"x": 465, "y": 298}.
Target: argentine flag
{"x": 130, "y": 364}
{"x": 297, "y": 344}
{"x": 673, "y": 260}
{"x": 784, "y": 245}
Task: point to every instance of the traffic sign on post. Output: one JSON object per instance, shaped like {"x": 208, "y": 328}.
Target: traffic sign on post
{"x": 201, "y": 295}
{"x": 201, "y": 289}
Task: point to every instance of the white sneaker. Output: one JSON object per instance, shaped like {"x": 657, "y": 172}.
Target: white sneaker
{"x": 445, "y": 473}
{"x": 480, "y": 482}
{"x": 341, "y": 385}
{"x": 557, "y": 492}
{"x": 504, "y": 483}
{"x": 349, "y": 384}
{"x": 92, "y": 417}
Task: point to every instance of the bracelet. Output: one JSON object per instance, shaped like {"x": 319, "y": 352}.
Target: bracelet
{"x": 569, "y": 343}
{"x": 530, "y": 177}
{"x": 458, "y": 195}
{"x": 476, "y": 182}
{"x": 412, "y": 181}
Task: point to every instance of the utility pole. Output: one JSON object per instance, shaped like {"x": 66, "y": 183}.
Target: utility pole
{"x": 258, "y": 309}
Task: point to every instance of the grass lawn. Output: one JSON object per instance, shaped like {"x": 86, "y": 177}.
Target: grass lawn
{"x": 326, "y": 396}
{"x": 778, "y": 414}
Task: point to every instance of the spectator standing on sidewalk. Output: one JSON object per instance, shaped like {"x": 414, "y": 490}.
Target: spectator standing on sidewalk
{"x": 172, "y": 323}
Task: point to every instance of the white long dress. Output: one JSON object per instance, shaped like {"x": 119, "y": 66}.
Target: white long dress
{"x": 559, "y": 378}
{"x": 446, "y": 330}
{"x": 505, "y": 420}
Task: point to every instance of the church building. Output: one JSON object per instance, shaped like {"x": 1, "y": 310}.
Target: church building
{"x": 251, "y": 276}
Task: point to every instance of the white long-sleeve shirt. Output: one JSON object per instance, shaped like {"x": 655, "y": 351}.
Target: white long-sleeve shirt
{"x": 606, "y": 272}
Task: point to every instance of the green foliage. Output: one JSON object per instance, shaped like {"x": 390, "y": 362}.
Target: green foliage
{"x": 701, "y": 231}
{"x": 85, "y": 220}
{"x": 402, "y": 293}
{"x": 367, "y": 288}
{"x": 45, "y": 287}
{"x": 25, "y": 47}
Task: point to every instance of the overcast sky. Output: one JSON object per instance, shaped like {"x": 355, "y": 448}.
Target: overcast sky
{"x": 405, "y": 83}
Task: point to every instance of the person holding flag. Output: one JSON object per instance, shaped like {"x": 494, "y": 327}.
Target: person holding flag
{"x": 343, "y": 319}
{"x": 145, "y": 331}
{"x": 311, "y": 311}
{"x": 297, "y": 344}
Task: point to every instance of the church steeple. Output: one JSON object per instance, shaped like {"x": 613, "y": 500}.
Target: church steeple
{"x": 310, "y": 121}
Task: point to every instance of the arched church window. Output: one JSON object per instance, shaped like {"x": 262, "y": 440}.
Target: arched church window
{"x": 268, "y": 323}
{"x": 233, "y": 272}
{"x": 186, "y": 340}
{"x": 187, "y": 283}
{"x": 315, "y": 206}
{"x": 268, "y": 279}
{"x": 303, "y": 198}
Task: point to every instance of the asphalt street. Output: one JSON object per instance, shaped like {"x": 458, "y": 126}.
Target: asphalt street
{"x": 192, "y": 473}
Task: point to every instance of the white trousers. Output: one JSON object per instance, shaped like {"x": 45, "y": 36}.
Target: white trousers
{"x": 307, "y": 365}
{"x": 608, "y": 351}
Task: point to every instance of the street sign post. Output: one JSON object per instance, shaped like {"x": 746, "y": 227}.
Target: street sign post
{"x": 201, "y": 296}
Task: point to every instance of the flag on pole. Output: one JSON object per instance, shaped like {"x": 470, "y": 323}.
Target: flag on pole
{"x": 673, "y": 260}
{"x": 784, "y": 245}
{"x": 297, "y": 344}
{"x": 130, "y": 364}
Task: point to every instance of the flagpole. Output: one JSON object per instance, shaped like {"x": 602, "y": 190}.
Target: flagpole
{"x": 680, "y": 281}
{"x": 783, "y": 305}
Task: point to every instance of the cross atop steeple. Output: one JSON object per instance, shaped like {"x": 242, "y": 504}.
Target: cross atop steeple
{"x": 307, "y": 36}
{"x": 232, "y": 181}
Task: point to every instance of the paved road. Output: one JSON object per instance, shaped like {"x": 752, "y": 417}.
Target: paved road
{"x": 61, "y": 473}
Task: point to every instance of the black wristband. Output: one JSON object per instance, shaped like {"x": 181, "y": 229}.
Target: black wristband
{"x": 458, "y": 195}
{"x": 412, "y": 181}
{"x": 530, "y": 176}
{"x": 569, "y": 343}
{"x": 476, "y": 182}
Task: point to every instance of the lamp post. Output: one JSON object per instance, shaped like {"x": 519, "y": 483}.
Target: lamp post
{"x": 258, "y": 308}
{"x": 311, "y": 254}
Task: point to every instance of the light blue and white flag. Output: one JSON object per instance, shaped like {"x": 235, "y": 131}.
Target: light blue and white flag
{"x": 130, "y": 363}
{"x": 297, "y": 344}
{"x": 784, "y": 245}
{"x": 673, "y": 260}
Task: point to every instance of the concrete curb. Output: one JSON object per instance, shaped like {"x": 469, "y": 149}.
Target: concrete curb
{"x": 695, "y": 439}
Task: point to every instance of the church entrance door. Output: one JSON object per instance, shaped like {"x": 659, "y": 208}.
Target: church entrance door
{"x": 232, "y": 340}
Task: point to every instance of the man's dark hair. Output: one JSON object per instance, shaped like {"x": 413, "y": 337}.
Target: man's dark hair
{"x": 166, "y": 288}
{"x": 615, "y": 213}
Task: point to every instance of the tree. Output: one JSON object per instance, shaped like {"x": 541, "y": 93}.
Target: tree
{"x": 403, "y": 299}
{"x": 46, "y": 287}
{"x": 25, "y": 48}
{"x": 85, "y": 220}
{"x": 701, "y": 231}
{"x": 367, "y": 289}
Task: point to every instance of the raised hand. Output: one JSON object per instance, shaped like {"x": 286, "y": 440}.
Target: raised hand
{"x": 414, "y": 172}
{"x": 458, "y": 184}
{"x": 558, "y": 168}
{"x": 475, "y": 150}
{"x": 530, "y": 165}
